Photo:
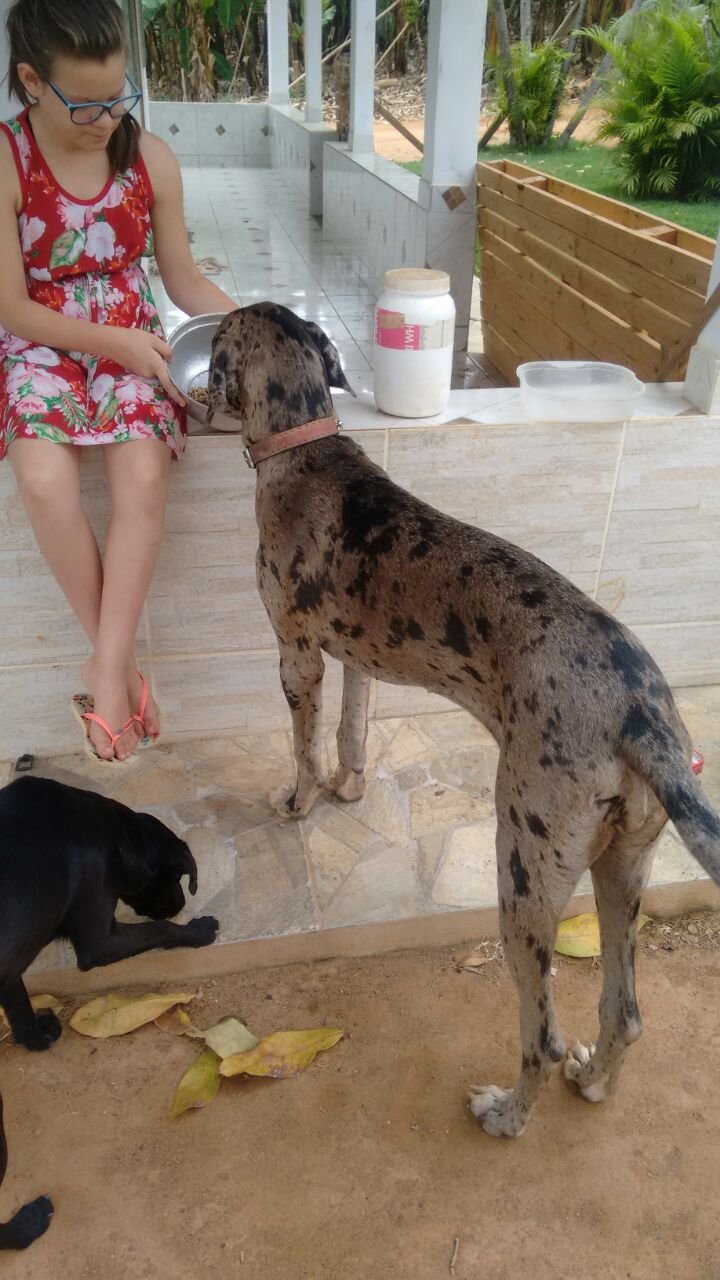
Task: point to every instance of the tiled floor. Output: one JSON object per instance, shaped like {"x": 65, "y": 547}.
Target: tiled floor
{"x": 420, "y": 843}
{"x": 255, "y": 225}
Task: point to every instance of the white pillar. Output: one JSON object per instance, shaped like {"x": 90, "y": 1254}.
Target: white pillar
{"x": 702, "y": 382}
{"x": 312, "y": 26}
{"x": 456, "y": 47}
{"x": 362, "y": 76}
{"x": 278, "y": 52}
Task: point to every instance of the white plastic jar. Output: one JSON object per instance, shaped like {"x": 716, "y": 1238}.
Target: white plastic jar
{"x": 414, "y": 332}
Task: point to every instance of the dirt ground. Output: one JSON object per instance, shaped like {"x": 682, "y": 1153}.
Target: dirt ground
{"x": 369, "y": 1164}
{"x": 391, "y": 144}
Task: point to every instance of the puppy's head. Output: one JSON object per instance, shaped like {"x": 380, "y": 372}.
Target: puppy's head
{"x": 272, "y": 370}
{"x": 153, "y": 861}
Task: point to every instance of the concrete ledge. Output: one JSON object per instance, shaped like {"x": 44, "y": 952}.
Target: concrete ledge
{"x": 297, "y": 150}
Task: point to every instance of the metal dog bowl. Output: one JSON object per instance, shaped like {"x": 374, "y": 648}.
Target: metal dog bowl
{"x": 191, "y": 344}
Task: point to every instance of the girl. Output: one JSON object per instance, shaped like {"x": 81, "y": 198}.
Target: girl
{"x": 84, "y": 194}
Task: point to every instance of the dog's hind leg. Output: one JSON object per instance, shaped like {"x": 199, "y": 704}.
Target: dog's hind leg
{"x": 29, "y": 1222}
{"x": 534, "y": 886}
{"x": 301, "y": 673}
{"x": 619, "y": 877}
{"x": 33, "y": 1030}
{"x": 349, "y": 781}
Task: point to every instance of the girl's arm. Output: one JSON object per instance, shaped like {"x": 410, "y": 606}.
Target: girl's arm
{"x": 186, "y": 286}
{"x": 139, "y": 352}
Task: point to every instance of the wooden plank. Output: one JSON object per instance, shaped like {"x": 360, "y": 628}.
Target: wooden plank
{"x": 677, "y": 265}
{"x": 501, "y": 354}
{"x": 628, "y": 306}
{"x": 664, "y": 293}
{"x": 574, "y": 313}
{"x": 555, "y": 311}
{"x": 615, "y": 210}
{"x": 524, "y": 313}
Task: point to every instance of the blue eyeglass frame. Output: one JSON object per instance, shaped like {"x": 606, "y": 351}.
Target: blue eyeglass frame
{"x": 131, "y": 98}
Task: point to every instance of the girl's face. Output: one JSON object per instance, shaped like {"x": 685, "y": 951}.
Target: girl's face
{"x": 79, "y": 81}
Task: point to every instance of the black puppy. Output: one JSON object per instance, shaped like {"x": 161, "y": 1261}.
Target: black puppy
{"x": 66, "y": 857}
{"x": 29, "y": 1222}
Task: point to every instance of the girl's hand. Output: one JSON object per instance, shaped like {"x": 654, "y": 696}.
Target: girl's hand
{"x": 146, "y": 355}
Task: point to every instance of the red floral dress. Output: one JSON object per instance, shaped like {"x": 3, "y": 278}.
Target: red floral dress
{"x": 82, "y": 258}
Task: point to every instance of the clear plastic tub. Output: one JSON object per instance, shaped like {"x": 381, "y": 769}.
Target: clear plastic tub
{"x": 578, "y": 391}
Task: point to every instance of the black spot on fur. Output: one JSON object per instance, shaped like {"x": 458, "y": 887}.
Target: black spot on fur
{"x": 531, "y": 703}
{"x": 483, "y": 627}
{"x": 396, "y": 634}
{"x": 629, "y": 662}
{"x": 338, "y": 626}
{"x": 414, "y": 630}
{"x": 543, "y": 956}
{"x": 456, "y": 637}
{"x": 420, "y": 550}
{"x": 310, "y": 593}
{"x": 552, "y": 682}
{"x": 301, "y": 643}
{"x": 275, "y": 392}
{"x": 520, "y": 877}
{"x": 536, "y": 825}
{"x": 545, "y": 761}
{"x": 357, "y": 631}
{"x": 514, "y": 818}
{"x": 682, "y": 805}
{"x": 530, "y": 941}
{"x": 473, "y": 673}
{"x": 533, "y": 599}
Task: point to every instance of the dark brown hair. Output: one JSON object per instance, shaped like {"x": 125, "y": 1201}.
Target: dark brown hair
{"x": 41, "y": 30}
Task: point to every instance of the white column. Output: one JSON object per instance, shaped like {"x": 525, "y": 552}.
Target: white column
{"x": 362, "y": 75}
{"x": 456, "y": 46}
{"x": 702, "y": 382}
{"x": 312, "y": 25}
{"x": 278, "y": 52}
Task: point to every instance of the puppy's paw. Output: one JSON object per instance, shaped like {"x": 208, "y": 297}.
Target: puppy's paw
{"x": 581, "y": 1068}
{"x": 201, "y": 932}
{"x": 347, "y": 785}
{"x": 29, "y": 1223}
{"x": 46, "y": 1030}
{"x": 292, "y": 803}
{"x": 496, "y": 1111}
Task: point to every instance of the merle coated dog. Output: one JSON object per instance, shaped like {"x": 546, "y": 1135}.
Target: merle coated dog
{"x": 593, "y": 753}
{"x": 66, "y": 857}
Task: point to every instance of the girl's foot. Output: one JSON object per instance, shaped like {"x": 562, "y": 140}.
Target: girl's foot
{"x": 150, "y": 726}
{"x": 111, "y": 704}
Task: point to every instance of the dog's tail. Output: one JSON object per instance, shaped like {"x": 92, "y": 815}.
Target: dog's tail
{"x": 651, "y": 746}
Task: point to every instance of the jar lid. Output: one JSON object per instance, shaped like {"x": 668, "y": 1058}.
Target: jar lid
{"x": 417, "y": 280}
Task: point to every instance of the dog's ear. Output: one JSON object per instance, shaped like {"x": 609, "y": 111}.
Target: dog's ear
{"x": 189, "y": 866}
{"x": 330, "y": 357}
{"x": 226, "y": 390}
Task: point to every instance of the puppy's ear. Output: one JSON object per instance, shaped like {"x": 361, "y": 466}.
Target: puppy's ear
{"x": 190, "y": 870}
{"x": 330, "y": 357}
{"x": 226, "y": 388}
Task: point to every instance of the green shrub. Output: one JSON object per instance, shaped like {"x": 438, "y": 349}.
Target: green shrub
{"x": 663, "y": 105}
{"x": 535, "y": 80}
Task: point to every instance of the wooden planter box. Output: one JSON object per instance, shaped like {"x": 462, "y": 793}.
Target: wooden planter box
{"x": 570, "y": 275}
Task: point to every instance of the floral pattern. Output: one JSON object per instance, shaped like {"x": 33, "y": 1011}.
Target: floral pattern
{"x": 82, "y": 259}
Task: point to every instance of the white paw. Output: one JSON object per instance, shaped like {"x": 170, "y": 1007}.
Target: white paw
{"x": 347, "y": 785}
{"x": 576, "y": 1064}
{"x": 493, "y": 1108}
{"x": 288, "y": 803}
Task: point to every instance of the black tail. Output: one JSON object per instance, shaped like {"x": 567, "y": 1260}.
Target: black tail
{"x": 651, "y": 746}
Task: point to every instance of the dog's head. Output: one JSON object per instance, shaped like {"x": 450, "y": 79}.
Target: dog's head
{"x": 272, "y": 370}
{"x": 153, "y": 861}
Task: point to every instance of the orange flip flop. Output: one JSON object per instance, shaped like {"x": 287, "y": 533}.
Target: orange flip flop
{"x": 82, "y": 708}
{"x": 139, "y": 717}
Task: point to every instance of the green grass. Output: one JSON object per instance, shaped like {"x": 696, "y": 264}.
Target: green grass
{"x": 590, "y": 165}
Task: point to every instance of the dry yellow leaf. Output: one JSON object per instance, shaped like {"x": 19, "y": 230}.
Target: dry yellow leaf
{"x": 116, "y": 1015}
{"x": 38, "y": 1003}
{"x": 281, "y": 1054}
{"x": 176, "y": 1022}
{"x": 228, "y": 1037}
{"x": 199, "y": 1085}
{"x": 580, "y": 935}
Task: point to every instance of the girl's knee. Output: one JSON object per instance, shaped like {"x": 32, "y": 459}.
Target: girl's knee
{"x": 45, "y": 478}
{"x": 143, "y": 490}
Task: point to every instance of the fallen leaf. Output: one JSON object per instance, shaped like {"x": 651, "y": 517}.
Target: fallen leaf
{"x": 38, "y": 1003}
{"x": 177, "y": 1023}
{"x": 199, "y": 1085}
{"x": 229, "y": 1037}
{"x": 116, "y": 1015}
{"x": 281, "y": 1054}
{"x": 482, "y": 955}
{"x": 580, "y": 935}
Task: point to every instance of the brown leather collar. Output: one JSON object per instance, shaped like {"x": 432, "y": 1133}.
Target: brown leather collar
{"x": 285, "y": 440}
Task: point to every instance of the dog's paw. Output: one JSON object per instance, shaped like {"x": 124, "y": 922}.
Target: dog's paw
{"x": 201, "y": 932}
{"x": 495, "y": 1110}
{"x": 580, "y": 1068}
{"x": 29, "y": 1223}
{"x": 46, "y": 1029}
{"x": 347, "y": 785}
{"x": 289, "y": 803}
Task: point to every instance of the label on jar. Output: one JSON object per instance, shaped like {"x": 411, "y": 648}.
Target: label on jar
{"x": 393, "y": 333}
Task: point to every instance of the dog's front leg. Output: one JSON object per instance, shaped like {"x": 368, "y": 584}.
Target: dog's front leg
{"x": 127, "y": 940}
{"x": 349, "y": 781}
{"x": 301, "y": 673}
{"x": 33, "y": 1030}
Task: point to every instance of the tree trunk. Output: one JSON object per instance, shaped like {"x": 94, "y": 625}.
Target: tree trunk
{"x": 526, "y": 23}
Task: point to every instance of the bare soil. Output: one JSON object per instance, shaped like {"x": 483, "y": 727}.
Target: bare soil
{"x": 369, "y": 1164}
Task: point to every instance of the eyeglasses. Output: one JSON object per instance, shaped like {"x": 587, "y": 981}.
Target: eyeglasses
{"x": 91, "y": 112}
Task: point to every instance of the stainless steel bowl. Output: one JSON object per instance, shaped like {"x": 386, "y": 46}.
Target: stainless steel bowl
{"x": 191, "y": 343}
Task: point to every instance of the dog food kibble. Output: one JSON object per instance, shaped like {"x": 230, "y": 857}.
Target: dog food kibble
{"x": 199, "y": 393}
